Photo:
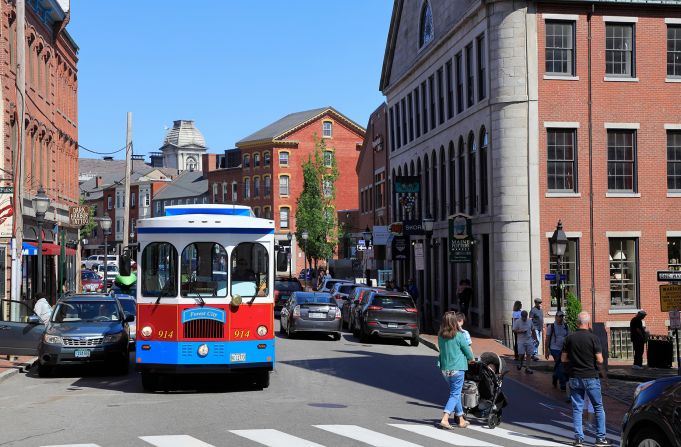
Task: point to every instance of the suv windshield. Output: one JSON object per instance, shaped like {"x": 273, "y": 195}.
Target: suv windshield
{"x": 393, "y": 302}
{"x": 72, "y": 311}
{"x": 128, "y": 306}
{"x": 287, "y": 286}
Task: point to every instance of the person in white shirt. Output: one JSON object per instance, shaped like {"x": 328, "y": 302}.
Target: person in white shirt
{"x": 526, "y": 339}
{"x": 461, "y": 319}
{"x": 42, "y": 308}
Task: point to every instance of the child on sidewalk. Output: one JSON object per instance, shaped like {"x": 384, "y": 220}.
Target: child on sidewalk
{"x": 461, "y": 319}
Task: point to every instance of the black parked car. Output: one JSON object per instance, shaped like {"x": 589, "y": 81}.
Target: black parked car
{"x": 355, "y": 300}
{"x": 283, "y": 288}
{"x": 653, "y": 419}
{"x": 390, "y": 315}
{"x": 311, "y": 312}
{"x": 83, "y": 329}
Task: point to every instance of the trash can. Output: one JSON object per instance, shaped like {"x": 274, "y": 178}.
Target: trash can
{"x": 660, "y": 351}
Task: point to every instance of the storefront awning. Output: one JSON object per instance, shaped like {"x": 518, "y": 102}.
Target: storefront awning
{"x": 49, "y": 249}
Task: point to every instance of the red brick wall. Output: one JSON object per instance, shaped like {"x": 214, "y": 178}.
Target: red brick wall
{"x": 371, "y": 160}
{"x": 652, "y": 102}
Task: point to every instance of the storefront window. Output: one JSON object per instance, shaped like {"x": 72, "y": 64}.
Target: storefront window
{"x": 623, "y": 273}
{"x": 250, "y": 267}
{"x": 204, "y": 270}
{"x": 159, "y": 270}
{"x": 674, "y": 253}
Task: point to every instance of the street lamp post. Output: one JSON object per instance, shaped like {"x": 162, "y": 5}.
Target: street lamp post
{"x": 428, "y": 230}
{"x": 559, "y": 242}
{"x": 367, "y": 242}
{"x": 41, "y": 203}
{"x": 305, "y": 235}
{"x": 289, "y": 236}
{"x": 105, "y": 225}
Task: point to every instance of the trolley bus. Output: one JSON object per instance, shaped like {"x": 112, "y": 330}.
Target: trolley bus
{"x": 204, "y": 296}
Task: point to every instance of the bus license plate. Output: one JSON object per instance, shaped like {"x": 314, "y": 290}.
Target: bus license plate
{"x": 237, "y": 357}
{"x": 82, "y": 353}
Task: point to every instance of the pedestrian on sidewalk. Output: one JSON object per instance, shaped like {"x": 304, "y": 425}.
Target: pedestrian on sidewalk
{"x": 517, "y": 308}
{"x": 413, "y": 290}
{"x": 638, "y": 338}
{"x": 556, "y": 333}
{"x": 453, "y": 362}
{"x": 461, "y": 319}
{"x": 537, "y": 317}
{"x": 464, "y": 294}
{"x": 526, "y": 337}
{"x": 582, "y": 351}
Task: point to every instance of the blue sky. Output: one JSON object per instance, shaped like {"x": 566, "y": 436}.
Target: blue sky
{"x": 233, "y": 66}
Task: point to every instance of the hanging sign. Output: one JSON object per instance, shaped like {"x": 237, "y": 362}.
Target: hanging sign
{"x": 418, "y": 256}
{"x": 400, "y": 248}
{"x": 79, "y": 215}
{"x": 460, "y": 239}
{"x": 670, "y": 297}
{"x": 407, "y": 184}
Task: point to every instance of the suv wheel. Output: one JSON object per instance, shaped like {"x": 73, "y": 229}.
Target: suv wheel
{"x": 44, "y": 370}
{"x": 363, "y": 336}
{"x": 648, "y": 437}
{"x": 414, "y": 341}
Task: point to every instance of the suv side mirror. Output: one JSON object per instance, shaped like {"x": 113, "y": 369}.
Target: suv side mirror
{"x": 129, "y": 318}
{"x": 355, "y": 302}
{"x": 34, "y": 319}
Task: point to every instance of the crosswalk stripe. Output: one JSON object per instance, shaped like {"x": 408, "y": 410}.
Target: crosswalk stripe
{"x": 366, "y": 436}
{"x": 443, "y": 435}
{"x": 72, "y": 445}
{"x": 515, "y": 436}
{"x": 607, "y": 435}
{"x": 174, "y": 441}
{"x": 274, "y": 438}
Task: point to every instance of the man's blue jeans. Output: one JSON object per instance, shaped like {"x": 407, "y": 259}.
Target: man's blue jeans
{"x": 537, "y": 343}
{"x": 453, "y": 405}
{"x": 579, "y": 388}
{"x": 558, "y": 372}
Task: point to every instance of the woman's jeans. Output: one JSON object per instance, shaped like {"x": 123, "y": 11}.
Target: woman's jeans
{"x": 579, "y": 390}
{"x": 455, "y": 382}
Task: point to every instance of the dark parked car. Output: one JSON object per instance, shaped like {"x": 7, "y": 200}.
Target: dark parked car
{"x": 83, "y": 329}
{"x": 130, "y": 307}
{"x": 283, "y": 288}
{"x": 341, "y": 292}
{"x": 358, "y": 296}
{"x": 653, "y": 419}
{"x": 308, "y": 274}
{"x": 390, "y": 315}
{"x": 311, "y": 312}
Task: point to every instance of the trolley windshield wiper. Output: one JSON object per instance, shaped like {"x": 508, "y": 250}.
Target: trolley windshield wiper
{"x": 199, "y": 300}
{"x": 162, "y": 294}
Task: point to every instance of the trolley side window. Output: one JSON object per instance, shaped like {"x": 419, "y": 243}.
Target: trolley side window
{"x": 203, "y": 270}
{"x": 249, "y": 270}
{"x": 159, "y": 270}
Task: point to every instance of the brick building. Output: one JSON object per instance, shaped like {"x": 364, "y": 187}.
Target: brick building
{"x": 265, "y": 170}
{"x": 519, "y": 114}
{"x": 51, "y": 139}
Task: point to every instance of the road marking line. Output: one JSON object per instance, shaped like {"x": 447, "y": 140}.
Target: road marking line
{"x": 72, "y": 445}
{"x": 552, "y": 429}
{"x": 174, "y": 441}
{"x": 366, "y": 436}
{"x": 607, "y": 435}
{"x": 512, "y": 435}
{"x": 274, "y": 438}
{"x": 443, "y": 435}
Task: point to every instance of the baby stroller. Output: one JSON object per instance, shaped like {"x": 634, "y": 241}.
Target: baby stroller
{"x": 481, "y": 396}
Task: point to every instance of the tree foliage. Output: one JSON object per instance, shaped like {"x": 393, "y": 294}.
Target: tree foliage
{"x": 572, "y": 309}
{"x": 315, "y": 212}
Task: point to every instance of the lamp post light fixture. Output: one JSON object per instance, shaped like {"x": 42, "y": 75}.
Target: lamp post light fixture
{"x": 289, "y": 236}
{"x": 305, "y": 235}
{"x": 41, "y": 203}
{"x": 105, "y": 225}
{"x": 559, "y": 242}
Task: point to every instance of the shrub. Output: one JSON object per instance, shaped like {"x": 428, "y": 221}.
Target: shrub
{"x": 572, "y": 308}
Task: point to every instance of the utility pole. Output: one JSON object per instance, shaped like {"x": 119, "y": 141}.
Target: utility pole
{"x": 19, "y": 158}
{"x": 128, "y": 168}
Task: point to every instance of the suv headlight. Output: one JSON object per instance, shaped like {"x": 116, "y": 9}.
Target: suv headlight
{"x": 52, "y": 339}
{"x": 113, "y": 338}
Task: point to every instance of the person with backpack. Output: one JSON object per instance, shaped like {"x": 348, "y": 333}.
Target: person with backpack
{"x": 555, "y": 334}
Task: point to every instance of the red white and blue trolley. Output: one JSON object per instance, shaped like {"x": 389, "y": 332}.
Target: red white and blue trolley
{"x": 204, "y": 293}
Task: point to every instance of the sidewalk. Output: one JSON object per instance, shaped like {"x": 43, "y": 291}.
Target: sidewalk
{"x": 617, "y": 397}
{"x": 15, "y": 365}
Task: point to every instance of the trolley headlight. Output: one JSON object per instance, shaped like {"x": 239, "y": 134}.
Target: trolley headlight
{"x": 236, "y": 300}
{"x": 262, "y": 331}
{"x": 52, "y": 339}
{"x": 203, "y": 350}
{"x": 146, "y": 331}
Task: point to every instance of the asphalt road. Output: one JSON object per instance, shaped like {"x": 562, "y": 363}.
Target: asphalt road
{"x": 322, "y": 393}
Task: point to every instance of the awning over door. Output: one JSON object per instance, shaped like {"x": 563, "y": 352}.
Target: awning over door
{"x": 49, "y": 249}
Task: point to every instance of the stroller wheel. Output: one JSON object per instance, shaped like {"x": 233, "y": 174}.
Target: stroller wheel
{"x": 493, "y": 420}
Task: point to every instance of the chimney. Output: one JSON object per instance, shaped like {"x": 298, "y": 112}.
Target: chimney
{"x": 98, "y": 181}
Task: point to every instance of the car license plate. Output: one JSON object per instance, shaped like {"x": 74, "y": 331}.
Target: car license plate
{"x": 316, "y": 315}
{"x": 82, "y": 353}
{"x": 392, "y": 325}
{"x": 237, "y": 357}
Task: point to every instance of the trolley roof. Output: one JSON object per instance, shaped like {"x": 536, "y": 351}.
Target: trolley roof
{"x": 202, "y": 219}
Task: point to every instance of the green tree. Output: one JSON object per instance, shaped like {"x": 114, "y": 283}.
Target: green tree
{"x": 315, "y": 212}
{"x": 572, "y": 308}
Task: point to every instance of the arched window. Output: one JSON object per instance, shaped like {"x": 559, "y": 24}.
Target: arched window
{"x": 235, "y": 191}
{"x": 328, "y": 159}
{"x": 159, "y": 270}
{"x": 395, "y": 203}
{"x": 472, "y": 182}
{"x": 268, "y": 185}
{"x": 247, "y": 161}
{"x": 425, "y": 187}
{"x": 327, "y": 129}
{"x": 203, "y": 270}
{"x": 224, "y": 192}
{"x": 249, "y": 270}
{"x": 191, "y": 164}
{"x": 484, "y": 199}
{"x": 462, "y": 176}
{"x": 426, "y": 25}
{"x": 256, "y": 160}
{"x": 452, "y": 178}
{"x": 284, "y": 217}
{"x": 443, "y": 184}
{"x": 256, "y": 186}
{"x": 283, "y": 158}
{"x": 283, "y": 185}
{"x": 266, "y": 159}
{"x": 419, "y": 203}
{"x": 215, "y": 193}
{"x": 247, "y": 188}
{"x": 434, "y": 207}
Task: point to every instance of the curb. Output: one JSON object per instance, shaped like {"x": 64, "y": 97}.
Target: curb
{"x": 23, "y": 367}
{"x": 430, "y": 344}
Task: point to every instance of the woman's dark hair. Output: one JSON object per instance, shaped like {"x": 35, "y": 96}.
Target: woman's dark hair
{"x": 517, "y": 306}
{"x": 449, "y": 327}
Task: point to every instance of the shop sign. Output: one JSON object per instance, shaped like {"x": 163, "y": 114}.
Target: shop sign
{"x": 670, "y": 297}
{"x": 407, "y": 184}
{"x": 412, "y": 227}
{"x": 79, "y": 215}
{"x": 380, "y": 235}
{"x": 6, "y": 211}
{"x": 460, "y": 239}
{"x": 396, "y": 228}
{"x": 400, "y": 248}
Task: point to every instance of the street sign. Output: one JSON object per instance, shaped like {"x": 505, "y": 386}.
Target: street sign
{"x": 675, "y": 319}
{"x": 6, "y": 190}
{"x": 552, "y": 277}
{"x": 663, "y": 275}
{"x": 670, "y": 297}
{"x": 79, "y": 215}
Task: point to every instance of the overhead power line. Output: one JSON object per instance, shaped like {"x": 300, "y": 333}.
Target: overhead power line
{"x": 102, "y": 153}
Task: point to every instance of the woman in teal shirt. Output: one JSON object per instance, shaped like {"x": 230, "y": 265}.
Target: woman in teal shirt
{"x": 453, "y": 361}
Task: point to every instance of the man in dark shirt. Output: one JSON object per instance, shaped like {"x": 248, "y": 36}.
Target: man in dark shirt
{"x": 583, "y": 355}
{"x": 638, "y": 338}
